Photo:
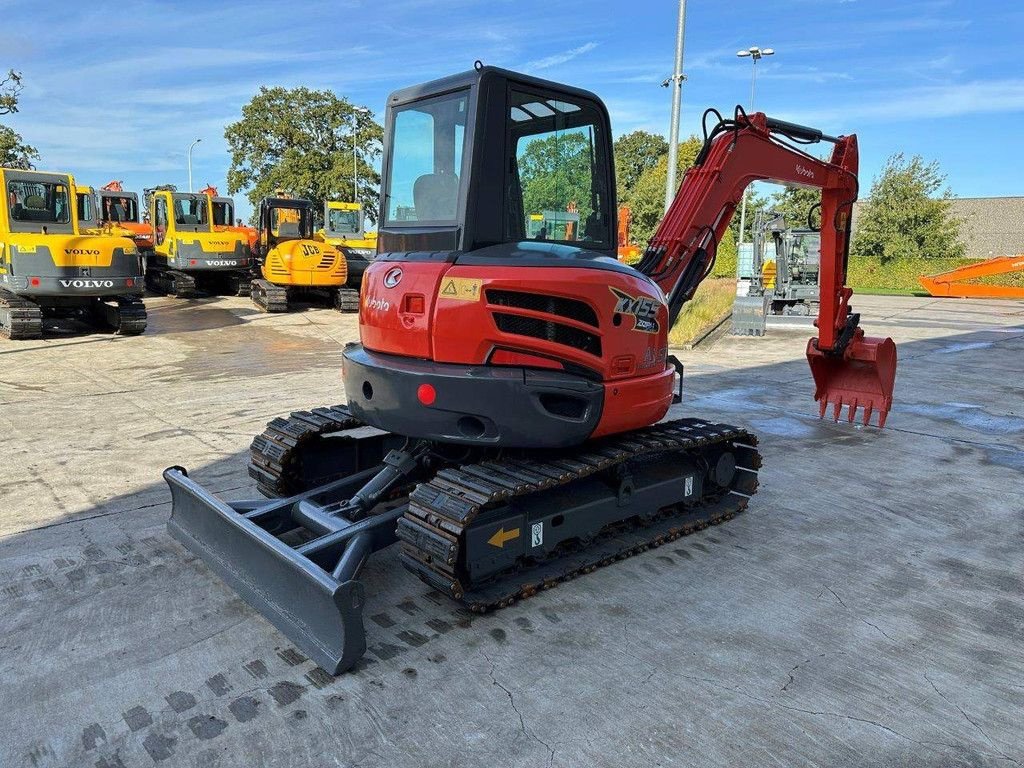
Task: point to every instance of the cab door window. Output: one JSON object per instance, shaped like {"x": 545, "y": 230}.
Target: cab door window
{"x": 160, "y": 220}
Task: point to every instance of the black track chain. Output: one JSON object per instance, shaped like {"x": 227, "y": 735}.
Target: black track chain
{"x": 441, "y": 510}
{"x": 275, "y": 456}
{"x": 172, "y": 282}
{"x": 127, "y": 318}
{"x": 242, "y": 284}
{"x": 346, "y": 300}
{"x": 19, "y": 317}
{"x": 269, "y": 297}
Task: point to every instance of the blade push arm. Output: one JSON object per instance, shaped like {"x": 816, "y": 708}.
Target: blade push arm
{"x": 848, "y": 368}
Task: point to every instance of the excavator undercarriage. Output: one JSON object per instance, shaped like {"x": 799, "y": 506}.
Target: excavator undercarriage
{"x": 485, "y": 527}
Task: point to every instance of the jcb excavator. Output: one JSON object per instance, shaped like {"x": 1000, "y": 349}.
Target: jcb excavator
{"x": 504, "y": 417}
{"x": 345, "y": 229}
{"x": 118, "y": 208}
{"x": 50, "y": 267}
{"x": 190, "y": 255}
{"x": 291, "y": 263}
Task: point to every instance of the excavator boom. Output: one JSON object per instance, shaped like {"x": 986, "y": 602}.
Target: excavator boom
{"x": 848, "y": 368}
{"x": 954, "y": 282}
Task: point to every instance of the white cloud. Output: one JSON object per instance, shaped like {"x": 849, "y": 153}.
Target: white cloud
{"x": 560, "y": 58}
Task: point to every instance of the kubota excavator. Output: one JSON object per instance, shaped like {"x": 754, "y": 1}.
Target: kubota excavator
{"x": 49, "y": 267}
{"x": 290, "y": 263}
{"x": 505, "y": 406}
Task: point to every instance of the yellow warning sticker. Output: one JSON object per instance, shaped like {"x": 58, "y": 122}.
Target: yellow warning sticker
{"x": 460, "y": 289}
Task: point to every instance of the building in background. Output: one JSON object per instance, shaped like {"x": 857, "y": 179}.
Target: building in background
{"x": 992, "y": 226}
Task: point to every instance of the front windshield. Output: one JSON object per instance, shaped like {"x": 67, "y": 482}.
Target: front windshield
{"x": 343, "y": 222}
{"x": 291, "y": 223}
{"x": 118, "y": 209}
{"x": 190, "y": 211}
{"x": 426, "y": 157}
{"x": 38, "y": 202}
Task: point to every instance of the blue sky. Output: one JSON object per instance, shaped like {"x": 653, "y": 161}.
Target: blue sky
{"x": 119, "y": 90}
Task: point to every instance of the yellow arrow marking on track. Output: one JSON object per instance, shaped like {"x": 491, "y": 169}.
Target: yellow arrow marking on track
{"x": 501, "y": 536}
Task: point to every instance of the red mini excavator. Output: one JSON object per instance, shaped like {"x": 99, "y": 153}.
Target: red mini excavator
{"x": 505, "y": 406}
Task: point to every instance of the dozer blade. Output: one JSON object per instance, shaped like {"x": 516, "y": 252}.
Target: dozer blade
{"x": 862, "y": 378}
{"x": 322, "y": 614}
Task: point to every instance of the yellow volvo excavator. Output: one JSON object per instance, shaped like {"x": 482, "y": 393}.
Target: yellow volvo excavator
{"x": 51, "y": 267}
{"x": 345, "y": 229}
{"x": 190, "y": 255}
{"x": 291, "y": 263}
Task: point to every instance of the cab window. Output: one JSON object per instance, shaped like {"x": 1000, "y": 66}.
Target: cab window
{"x": 426, "y": 157}
{"x": 38, "y": 202}
{"x": 557, "y": 188}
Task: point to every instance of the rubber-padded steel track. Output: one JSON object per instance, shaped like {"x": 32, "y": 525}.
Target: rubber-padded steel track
{"x": 346, "y": 300}
{"x": 19, "y": 317}
{"x": 443, "y": 510}
{"x": 172, "y": 282}
{"x": 269, "y": 297}
{"x": 276, "y": 457}
{"x": 127, "y": 316}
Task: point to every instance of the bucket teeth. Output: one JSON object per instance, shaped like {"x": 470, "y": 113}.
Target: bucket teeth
{"x": 868, "y": 409}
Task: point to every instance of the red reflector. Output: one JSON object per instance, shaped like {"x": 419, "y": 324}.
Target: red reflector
{"x": 426, "y": 394}
{"x": 34, "y": 282}
{"x": 505, "y": 357}
{"x": 622, "y": 365}
{"x": 192, "y": 262}
{"x": 128, "y": 283}
{"x": 413, "y": 304}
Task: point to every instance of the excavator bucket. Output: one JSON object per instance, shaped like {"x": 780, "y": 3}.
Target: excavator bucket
{"x": 861, "y": 378}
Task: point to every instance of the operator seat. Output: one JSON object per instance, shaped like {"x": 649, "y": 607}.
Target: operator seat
{"x": 435, "y": 196}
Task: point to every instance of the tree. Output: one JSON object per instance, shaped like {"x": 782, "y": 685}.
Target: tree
{"x": 14, "y": 153}
{"x": 795, "y": 203}
{"x": 647, "y": 202}
{"x": 555, "y": 171}
{"x": 635, "y": 153}
{"x": 906, "y": 215}
{"x": 302, "y": 140}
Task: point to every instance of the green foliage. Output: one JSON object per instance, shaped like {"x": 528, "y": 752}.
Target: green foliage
{"x": 647, "y": 201}
{"x": 14, "y": 153}
{"x": 10, "y": 89}
{"x": 636, "y": 153}
{"x": 907, "y": 216}
{"x": 301, "y": 140}
{"x": 726, "y": 258}
{"x": 555, "y": 171}
{"x": 794, "y": 203}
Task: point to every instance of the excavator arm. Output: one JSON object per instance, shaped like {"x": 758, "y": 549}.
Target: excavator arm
{"x": 848, "y": 368}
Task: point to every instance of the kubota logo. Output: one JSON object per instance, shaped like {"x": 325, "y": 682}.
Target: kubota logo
{"x": 801, "y": 171}
{"x": 81, "y": 252}
{"x": 393, "y": 277}
{"x": 378, "y": 304}
{"x": 87, "y": 283}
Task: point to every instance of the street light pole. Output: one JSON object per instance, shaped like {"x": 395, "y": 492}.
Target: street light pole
{"x": 755, "y": 54}
{"x": 676, "y": 80}
{"x": 190, "y": 146}
{"x": 355, "y": 162}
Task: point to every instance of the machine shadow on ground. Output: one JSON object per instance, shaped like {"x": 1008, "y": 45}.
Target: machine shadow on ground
{"x": 866, "y": 610}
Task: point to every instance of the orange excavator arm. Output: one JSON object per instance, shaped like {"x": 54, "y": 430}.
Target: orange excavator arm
{"x": 848, "y": 368}
{"x": 953, "y": 282}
